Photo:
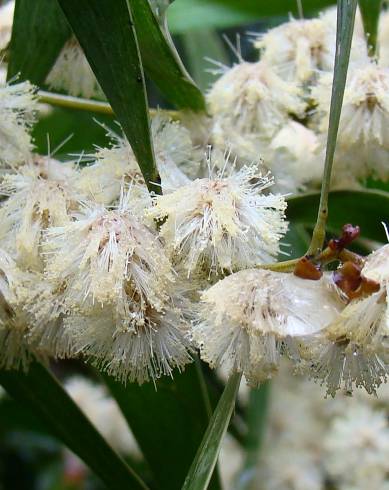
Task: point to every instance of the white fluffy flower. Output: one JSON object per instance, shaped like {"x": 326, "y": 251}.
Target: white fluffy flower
{"x": 357, "y": 448}
{"x": 351, "y": 350}
{"x": 223, "y": 222}
{"x": 14, "y": 322}
{"x": 363, "y": 131}
{"x": 249, "y": 103}
{"x": 40, "y": 195}
{"x": 117, "y": 282}
{"x": 73, "y": 74}
{"x": 6, "y": 20}
{"x": 376, "y": 267}
{"x": 103, "y": 412}
{"x": 248, "y": 318}
{"x": 17, "y": 107}
{"x": 299, "y": 49}
{"x": 383, "y": 39}
{"x": 294, "y": 158}
{"x": 173, "y": 148}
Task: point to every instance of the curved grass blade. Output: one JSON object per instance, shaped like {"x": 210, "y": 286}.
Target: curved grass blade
{"x": 161, "y": 60}
{"x": 39, "y": 391}
{"x": 39, "y": 32}
{"x": 370, "y": 12}
{"x": 205, "y": 461}
{"x": 168, "y": 421}
{"x": 366, "y": 208}
{"x": 106, "y": 32}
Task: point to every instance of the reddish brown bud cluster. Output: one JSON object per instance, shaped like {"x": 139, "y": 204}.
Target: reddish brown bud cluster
{"x": 349, "y": 279}
{"x": 307, "y": 269}
{"x": 349, "y": 234}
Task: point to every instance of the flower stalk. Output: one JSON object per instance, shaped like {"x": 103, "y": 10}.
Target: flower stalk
{"x": 344, "y": 33}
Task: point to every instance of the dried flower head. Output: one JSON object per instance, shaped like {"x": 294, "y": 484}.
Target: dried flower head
{"x": 224, "y": 222}
{"x": 249, "y": 103}
{"x": 249, "y": 318}
{"x": 17, "y": 107}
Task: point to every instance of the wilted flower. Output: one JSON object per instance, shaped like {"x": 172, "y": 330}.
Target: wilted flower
{"x": 73, "y": 74}
{"x": 249, "y": 318}
{"x": 224, "y": 222}
{"x": 249, "y": 103}
{"x": 17, "y": 107}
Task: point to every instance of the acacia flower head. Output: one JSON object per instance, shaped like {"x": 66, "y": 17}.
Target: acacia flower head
{"x": 249, "y": 318}
{"x": 224, "y": 222}
{"x": 363, "y": 133}
{"x": 39, "y": 195}
{"x": 249, "y": 103}
{"x": 17, "y": 107}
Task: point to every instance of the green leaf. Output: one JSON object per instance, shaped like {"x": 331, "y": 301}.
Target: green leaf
{"x": 161, "y": 60}
{"x": 106, "y": 32}
{"x": 186, "y": 15}
{"x": 204, "y": 463}
{"x": 256, "y": 422}
{"x": 39, "y": 391}
{"x": 200, "y": 45}
{"x": 168, "y": 420}
{"x": 39, "y": 32}
{"x": 366, "y": 208}
{"x": 370, "y": 12}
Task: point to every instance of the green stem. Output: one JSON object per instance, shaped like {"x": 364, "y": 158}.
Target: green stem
{"x": 89, "y": 105}
{"x": 344, "y": 33}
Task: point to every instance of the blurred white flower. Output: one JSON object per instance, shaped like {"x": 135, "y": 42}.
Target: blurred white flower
{"x": 72, "y": 73}
{"x": 104, "y": 413}
{"x": 363, "y": 134}
{"x": 249, "y": 103}
{"x": 357, "y": 448}
{"x": 17, "y": 107}
{"x": 293, "y": 157}
{"x": 6, "y": 20}
{"x": 224, "y": 222}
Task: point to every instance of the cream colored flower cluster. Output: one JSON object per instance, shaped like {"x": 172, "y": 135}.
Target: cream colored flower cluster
{"x": 316, "y": 444}
{"x": 277, "y": 108}
{"x": 93, "y": 266}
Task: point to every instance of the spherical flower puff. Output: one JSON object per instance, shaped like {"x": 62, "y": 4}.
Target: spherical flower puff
{"x": 223, "y": 222}
{"x": 299, "y": 49}
{"x": 363, "y": 130}
{"x": 73, "y": 74}
{"x": 6, "y": 20}
{"x": 249, "y": 103}
{"x": 17, "y": 107}
{"x": 40, "y": 195}
{"x": 173, "y": 148}
{"x": 248, "y": 319}
{"x": 104, "y": 413}
{"x": 293, "y": 157}
{"x": 351, "y": 350}
{"x": 155, "y": 342}
{"x": 357, "y": 448}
